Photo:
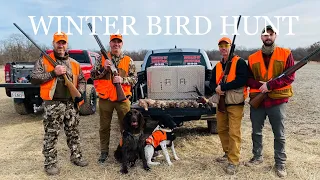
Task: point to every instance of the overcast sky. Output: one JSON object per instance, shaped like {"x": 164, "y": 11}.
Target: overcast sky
{"x": 306, "y": 27}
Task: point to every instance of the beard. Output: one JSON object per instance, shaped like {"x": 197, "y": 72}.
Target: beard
{"x": 268, "y": 42}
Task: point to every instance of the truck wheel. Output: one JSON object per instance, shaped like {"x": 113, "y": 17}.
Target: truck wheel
{"x": 212, "y": 126}
{"x": 20, "y": 108}
{"x": 90, "y": 101}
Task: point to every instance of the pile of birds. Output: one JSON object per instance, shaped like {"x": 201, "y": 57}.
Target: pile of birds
{"x": 163, "y": 104}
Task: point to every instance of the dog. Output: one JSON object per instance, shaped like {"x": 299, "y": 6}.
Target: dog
{"x": 132, "y": 142}
{"x": 161, "y": 138}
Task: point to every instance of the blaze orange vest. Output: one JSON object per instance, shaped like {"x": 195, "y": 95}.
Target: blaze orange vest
{"x": 232, "y": 74}
{"x": 277, "y": 65}
{"x": 105, "y": 87}
{"x": 48, "y": 88}
{"x": 156, "y": 137}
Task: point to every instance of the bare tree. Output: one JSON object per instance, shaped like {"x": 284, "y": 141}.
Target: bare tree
{"x": 18, "y": 48}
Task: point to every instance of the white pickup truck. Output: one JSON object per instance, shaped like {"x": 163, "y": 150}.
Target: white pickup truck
{"x": 170, "y": 75}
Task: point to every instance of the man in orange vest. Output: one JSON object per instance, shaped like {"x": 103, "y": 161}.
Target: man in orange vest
{"x": 229, "y": 123}
{"x": 106, "y": 90}
{"x": 59, "y": 108}
{"x": 264, "y": 65}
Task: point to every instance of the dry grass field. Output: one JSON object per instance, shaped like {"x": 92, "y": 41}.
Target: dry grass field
{"x": 21, "y": 144}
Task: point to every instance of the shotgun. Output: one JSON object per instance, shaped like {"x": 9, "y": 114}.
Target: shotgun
{"x": 120, "y": 93}
{"x": 256, "y": 101}
{"x": 73, "y": 90}
{"x": 222, "y": 103}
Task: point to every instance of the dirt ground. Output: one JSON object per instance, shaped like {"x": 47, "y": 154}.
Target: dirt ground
{"x": 21, "y": 144}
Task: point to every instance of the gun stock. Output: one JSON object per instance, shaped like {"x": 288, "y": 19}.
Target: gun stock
{"x": 222, "y": 103}
{"x": 257, "y": 100}
{"x": 73, "y": 90}
{"x": 120, "y": 93}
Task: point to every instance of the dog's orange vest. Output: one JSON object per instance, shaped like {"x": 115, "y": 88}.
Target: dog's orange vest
{"x": 156, "y": 137}
{"x": 277, "y": 65}
{"x": 105, "y": 87}
{"x": 47, "y": 89}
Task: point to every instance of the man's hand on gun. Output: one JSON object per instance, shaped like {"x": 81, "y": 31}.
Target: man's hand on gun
{"x": 117, "y": 79}
{"x": 107, "y": 65}
{"x": 219, "y": 91}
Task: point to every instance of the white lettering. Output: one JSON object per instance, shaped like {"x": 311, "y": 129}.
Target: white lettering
{"x": 246, "y": 25}
{"x": 156, "y": 24}
{"x": 183, "y": 25}
{"x": 36, "y": 29}
{"x": 167, "y": 25}
{"x": 79, "y": 29}
{"x": 235, "y": 18}
{"x": 93, "y": 23}
{"x": 133, "y": 21}
{"x": 198, "y": 25}
{"x": 290, "y": 23}
{"x": 108, "y": 24}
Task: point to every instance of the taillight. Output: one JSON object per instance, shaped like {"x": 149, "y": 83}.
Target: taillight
{"x": 7, "y": 70}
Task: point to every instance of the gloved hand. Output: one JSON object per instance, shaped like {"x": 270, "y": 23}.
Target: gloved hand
{"x": 202, "y": 99}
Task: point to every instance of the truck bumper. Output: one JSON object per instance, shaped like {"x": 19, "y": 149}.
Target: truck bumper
{"x": 176, "y": 112}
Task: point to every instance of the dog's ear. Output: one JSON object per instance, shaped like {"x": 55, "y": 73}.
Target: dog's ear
{"x": 126, "y": 121}
{"x": 142, "y": 123}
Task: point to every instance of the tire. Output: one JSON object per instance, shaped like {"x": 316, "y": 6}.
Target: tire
{"x": 90, "y": 102}
{"x": 212, "y": 126}
{"x": 21, "y": 108}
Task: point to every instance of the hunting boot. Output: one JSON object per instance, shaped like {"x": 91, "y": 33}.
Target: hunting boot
{"x": 222, "y": 159}
{"x": 254, "y": 161}
{"x": 80, "y": 162}
{"x": 281, "y": 171}
{"x": 52, "y": 169}
{"x": 231, "y": 169}
{"x": 103, "y": 157}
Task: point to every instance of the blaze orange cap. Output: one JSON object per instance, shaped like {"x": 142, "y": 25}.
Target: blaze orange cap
{"x": 115, "y": 36}
{"x": 60, "y": 36}
{"x": 225, "y": 39}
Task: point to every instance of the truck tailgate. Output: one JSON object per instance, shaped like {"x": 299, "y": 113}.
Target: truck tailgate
{"x": 18, "y": 85}
{"x": 175, "y": 111}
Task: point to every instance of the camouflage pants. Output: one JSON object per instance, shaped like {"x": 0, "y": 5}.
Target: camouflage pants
{"x": 57, "y": 114}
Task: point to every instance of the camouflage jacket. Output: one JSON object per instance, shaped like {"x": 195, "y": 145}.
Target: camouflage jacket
{"x": 40, "y": 76}
{"x": 99, "y": 72}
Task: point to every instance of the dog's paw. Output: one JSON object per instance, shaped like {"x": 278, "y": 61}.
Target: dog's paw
{"x": 176, "y": 158}
{"x": 132, "y": 164}
{"x": 124, "y": 171}
{"x": 154, "y": 163}
{"x": 147, "y": 168}
{"x": 170, "y": 163}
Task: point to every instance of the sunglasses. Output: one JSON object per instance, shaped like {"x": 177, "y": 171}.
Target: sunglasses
{"x": 224, "y": 45}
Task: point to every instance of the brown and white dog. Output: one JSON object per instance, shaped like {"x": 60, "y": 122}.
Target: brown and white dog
{"x": 161, "y": 138}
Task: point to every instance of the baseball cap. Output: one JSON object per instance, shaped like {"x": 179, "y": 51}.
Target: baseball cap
{"x": 225, "y": 39}
{"x": 60, "y": 36}
{"x": 115, "y": 36}
{"x": 268, "y": 27}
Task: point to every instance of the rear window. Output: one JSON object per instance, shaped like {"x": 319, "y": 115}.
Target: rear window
{"x": 175, "y": 59}
{"x": 80, "y": 57}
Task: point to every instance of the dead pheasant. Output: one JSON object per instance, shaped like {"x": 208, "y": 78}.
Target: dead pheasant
{"x": 142, "y": 103}
{"x": 150, "y": 102}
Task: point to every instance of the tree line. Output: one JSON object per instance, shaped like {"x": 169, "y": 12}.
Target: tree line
{"x": 17, "y": 48}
